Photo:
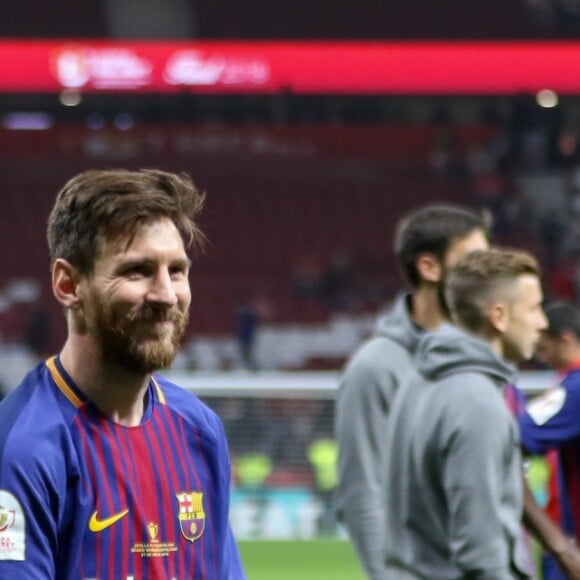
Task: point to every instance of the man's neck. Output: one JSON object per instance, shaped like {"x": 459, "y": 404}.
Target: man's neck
{"x": 571, "y": 363}
{"x": 117, "y": 393}
{"x": 426, "y": 308}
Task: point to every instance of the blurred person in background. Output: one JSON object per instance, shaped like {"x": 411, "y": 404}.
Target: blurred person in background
{"x": 454, "y": 487}
{"x": 551, "y": 422}
{"x": 322, "y": 455}
{"x": 37, "y": 330}
{"x": 428, "y": 242}
{"x": 108, "y": 470}
{"x": 246, "y": 322}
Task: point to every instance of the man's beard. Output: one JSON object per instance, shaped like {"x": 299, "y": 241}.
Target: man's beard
{"x": 129, "y": 339}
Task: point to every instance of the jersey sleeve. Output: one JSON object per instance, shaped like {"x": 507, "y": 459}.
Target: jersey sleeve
{"x": 232, "y": 568}
{"x": 552, "y": 418}
{"x": 30, "y": 499}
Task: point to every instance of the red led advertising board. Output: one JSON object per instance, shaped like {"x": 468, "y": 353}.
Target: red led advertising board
{"x": 420, "y": 68}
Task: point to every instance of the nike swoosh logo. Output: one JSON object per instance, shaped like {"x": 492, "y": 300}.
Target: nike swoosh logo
{"x": 97, "y": 525}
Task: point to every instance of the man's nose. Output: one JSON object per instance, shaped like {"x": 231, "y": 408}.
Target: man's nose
{"x": 162, "y": 289}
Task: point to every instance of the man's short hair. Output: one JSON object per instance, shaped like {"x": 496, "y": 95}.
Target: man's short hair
{"x": 562, "y": 316}
{"x": 482, "y": 277}
{"x": 431, "y": 229}
{"x": 100, "y": 205}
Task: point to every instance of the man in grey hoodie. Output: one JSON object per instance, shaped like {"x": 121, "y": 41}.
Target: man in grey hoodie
{"x": 455, "y": 495}
{"x": 428, "y": 242}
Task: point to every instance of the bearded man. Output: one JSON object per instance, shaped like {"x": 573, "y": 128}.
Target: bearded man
{"x": 108, "y": 470}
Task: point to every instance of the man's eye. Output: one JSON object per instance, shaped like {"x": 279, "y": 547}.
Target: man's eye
{"x": 137, "y": 271}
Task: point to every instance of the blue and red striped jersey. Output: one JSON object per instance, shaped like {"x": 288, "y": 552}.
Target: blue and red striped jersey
{"x": 82, "y": 497}
{"x": 551, "y": 421}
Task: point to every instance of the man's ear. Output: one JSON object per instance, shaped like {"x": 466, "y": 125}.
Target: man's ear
{"x": 568, "y": 343}
{"x": 498, "y": 316}
{"x": 429, "y": 268}
{"x": 66, "y": 284}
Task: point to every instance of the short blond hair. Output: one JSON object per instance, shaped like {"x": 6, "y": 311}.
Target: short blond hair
{"x": 481, "y": 277}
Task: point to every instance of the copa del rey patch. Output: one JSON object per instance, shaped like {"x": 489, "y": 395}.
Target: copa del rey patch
{"x": 546, "y": 406}
{"x": 12, "y": 527}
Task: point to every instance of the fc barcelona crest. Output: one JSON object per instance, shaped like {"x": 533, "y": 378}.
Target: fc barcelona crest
{"x": 191, "y": 514}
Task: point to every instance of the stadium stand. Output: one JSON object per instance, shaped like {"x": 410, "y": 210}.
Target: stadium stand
{"x": 34, "y": 19}
{"x": 278, "y": 199}
{"x": 301, "y": 19}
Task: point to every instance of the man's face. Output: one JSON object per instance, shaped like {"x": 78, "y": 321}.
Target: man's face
{"x": 138, "y": 298}
{"x": 525, "y": 319}
{"x": 549, "y": 350}
{"x": 459, "y": 247}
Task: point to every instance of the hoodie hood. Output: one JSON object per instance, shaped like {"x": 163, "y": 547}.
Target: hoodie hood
{"x": 449, "y": 351}
{"x": 398, "y": 326}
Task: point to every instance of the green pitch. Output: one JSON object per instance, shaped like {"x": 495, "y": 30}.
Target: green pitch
{"x": 300, "y": 560}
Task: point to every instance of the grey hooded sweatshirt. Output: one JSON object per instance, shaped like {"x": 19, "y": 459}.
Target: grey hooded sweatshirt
{"x": 367, "y": 389}
{"x": 454, "y": 495}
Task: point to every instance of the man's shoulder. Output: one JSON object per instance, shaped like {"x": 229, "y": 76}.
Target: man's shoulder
{"x": 469, "y": 395}
{"x": 34, "y": 436}
{"x": 377, "y": 369}
{"x": 571, "y": 380}
{"x": 189, "y": 407}
{"x": 31, "y": 408}
{"x": 467, "y": 384}
{"x": 379, "y": 353}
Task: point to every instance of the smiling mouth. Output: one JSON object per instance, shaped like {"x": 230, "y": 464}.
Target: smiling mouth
{"x": 156, "y": 321}
{"x": 157, "y": 328}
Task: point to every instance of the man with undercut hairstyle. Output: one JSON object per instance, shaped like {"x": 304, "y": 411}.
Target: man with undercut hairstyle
{"x": 428, "y": 242}
{"x": 455, "y": 494}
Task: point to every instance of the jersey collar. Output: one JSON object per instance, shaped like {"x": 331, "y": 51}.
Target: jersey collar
{"x": 78, "y": 399}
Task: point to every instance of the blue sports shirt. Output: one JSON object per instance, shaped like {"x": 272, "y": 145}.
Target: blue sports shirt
{"x": 83, "y": 498}
{"x": 552, "y": 421}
